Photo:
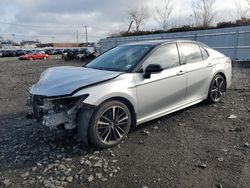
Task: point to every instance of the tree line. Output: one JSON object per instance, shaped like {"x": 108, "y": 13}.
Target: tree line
{"x": 203, "y": 16}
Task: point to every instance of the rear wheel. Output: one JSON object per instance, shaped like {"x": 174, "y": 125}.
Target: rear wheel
{"x": 217, "y": 89}
{"x": 110, "y": 124}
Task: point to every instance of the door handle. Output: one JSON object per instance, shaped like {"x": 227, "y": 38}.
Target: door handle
{"x": 180, "y": 73}
{"x": 209, "y": 65}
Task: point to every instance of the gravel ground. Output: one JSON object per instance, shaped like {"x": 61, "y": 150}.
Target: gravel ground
{"x": 201, "y": 146}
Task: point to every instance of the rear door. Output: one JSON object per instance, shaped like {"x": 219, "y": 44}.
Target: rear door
{"x": 198, "y": 69}
{"x": 165, "y": 90}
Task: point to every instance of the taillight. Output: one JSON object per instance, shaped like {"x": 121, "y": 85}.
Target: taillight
{"x": 228, "y": 61}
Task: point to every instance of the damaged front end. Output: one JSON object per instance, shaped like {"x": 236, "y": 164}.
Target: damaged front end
{"x": 55, "y": 111}
{"x": 51, "y": 99}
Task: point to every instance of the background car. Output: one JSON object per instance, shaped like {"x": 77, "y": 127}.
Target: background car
{"x": 9, "y": 53}
{"x": 58, "y": 51}
{"x": 50, "y": 51}
{"x": 34, "y": 55}
{"x": 20, "y": 52}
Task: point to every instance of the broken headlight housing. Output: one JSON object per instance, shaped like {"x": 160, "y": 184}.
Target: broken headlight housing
{"x": 63, "y": 103}
{"x": 42, "y": 105}
{"x": 56, "y": 111}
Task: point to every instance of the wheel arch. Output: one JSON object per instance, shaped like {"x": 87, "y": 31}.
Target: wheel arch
{"x": 88, "y": 110}
{"x": 86, "y": 115}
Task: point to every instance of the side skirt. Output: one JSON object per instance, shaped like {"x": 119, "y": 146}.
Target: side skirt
{"x": 167, "y": 111}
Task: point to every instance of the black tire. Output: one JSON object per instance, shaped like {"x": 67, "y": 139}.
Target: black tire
{"x": 118, "y": 128}
{"x": 217, "y": 89}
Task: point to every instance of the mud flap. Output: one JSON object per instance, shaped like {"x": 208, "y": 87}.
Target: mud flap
{"x": 83, "y": 121}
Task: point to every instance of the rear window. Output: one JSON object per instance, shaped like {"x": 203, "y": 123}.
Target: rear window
{"x": 191, "y": 52}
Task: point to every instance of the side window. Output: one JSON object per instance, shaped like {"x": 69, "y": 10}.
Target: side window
{"x": 167, "y": 56}
{"x": 204, "y": 53}
{"x": 191, "y": 52}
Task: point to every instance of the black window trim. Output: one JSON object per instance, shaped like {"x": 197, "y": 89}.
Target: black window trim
{"x": 201, "y": 47}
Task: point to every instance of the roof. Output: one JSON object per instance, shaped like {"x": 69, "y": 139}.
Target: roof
{"x": 156, "y": 42}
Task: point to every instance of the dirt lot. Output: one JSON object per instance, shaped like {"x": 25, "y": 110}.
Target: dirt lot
{"x": 196, "y": 147}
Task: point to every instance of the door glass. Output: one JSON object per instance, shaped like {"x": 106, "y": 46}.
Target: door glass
{"x": 167, "y": 56}
{"x": 191, "y": 52}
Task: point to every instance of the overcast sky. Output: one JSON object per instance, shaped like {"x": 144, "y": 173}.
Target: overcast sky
{"x": 59, "y": 20}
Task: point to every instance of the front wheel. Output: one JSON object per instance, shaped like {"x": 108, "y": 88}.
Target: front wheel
{"x": 216, "y": 89}
{"x": 110, "y": 123}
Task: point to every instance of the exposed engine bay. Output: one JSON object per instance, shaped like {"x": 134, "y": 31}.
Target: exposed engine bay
{"x": 52, "y": 112}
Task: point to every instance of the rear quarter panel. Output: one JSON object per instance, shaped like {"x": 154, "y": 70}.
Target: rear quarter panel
{"x": 222, "y": 64}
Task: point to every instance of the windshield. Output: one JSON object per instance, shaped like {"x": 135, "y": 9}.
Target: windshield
{"x": 121, "y": 58}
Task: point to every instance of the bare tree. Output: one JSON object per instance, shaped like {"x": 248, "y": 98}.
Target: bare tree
{"x": 248, "y": 2}
{"x": 241, "y": 11}
{"x": 138, "y": 16}
{"x": 164, "y": 13}
{"x": 204, "y": 13}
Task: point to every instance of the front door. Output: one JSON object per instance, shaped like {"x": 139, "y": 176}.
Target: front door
{"x": 164, "y": 91}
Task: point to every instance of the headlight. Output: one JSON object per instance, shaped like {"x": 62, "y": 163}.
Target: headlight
{"x": 67, "y": 102}
{"x": 82, "y": 97}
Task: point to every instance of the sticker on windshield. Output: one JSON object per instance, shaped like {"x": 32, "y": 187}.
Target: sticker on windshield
{"x": 128, "y": 66}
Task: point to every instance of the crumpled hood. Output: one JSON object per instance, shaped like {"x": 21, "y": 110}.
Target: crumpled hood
{"x": 65, "y": 80}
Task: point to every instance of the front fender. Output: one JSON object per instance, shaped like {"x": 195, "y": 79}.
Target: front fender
{"x": 123, "y": 88}
{"x": 97, "y": 100}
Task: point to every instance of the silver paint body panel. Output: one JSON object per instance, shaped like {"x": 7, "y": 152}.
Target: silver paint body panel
{"x": 58, "y": 81}
{"x": 168, "y": 91}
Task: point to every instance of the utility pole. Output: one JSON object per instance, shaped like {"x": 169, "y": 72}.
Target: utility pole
{"x": 130, "y": 26}
{"x": 13, "y": 35}
{"x": 86, "y": 33}
{"x": 77, "y": 36}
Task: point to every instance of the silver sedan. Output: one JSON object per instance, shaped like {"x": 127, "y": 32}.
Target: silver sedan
{"x": 127, "y": 86}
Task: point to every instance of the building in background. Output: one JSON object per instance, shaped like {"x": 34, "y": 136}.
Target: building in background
{"x": 30, "y": 43}
{"x": 64, "y": 45}
{"x": 8, "y": 44}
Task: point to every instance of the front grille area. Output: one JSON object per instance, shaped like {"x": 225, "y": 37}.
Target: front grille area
{"x": 38, "y": 101}
{"x": 54, "y": 112}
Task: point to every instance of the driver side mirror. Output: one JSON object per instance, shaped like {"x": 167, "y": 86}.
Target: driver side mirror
{"x": 152, "y": 69}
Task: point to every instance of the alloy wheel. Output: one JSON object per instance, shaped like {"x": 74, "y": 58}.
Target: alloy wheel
{"x": 112, "y": 125}
{"x": 218, "y": 89}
